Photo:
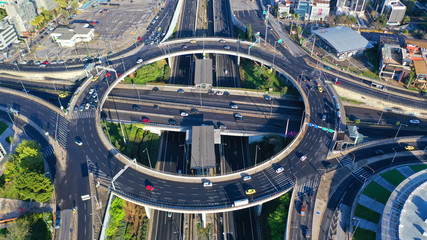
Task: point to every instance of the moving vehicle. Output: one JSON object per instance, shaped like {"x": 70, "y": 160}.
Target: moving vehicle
{"x": 219, "y": 93}
{"x": 193, "y": 41}
{"x": 78, "y": 141}
{"x": 238, "y": 115}
{"x": 246, "y": 178}
{"x": 278, "y": 168}
{"x": 414, "y": 121}
{"x": 303, "y": 157}
{"x": 226, "y": 47}
{"x": 184, "y": 114}
{"x": 303, "y": 209}
{"x": 234, "y": 106}
{"x": 320, "y": 89}
{"x": 195, "y": 110}
{"x": 135, "y": 107}
{"x": 207, "y": 183}
{"x": 267, "y": 97}
{"x": 149, "y": 187}
{"x": 146, "y": 120}
{"x": 250, "y": 191}
{"x": 95, "y": 78}
{"x": 108, "y": 74}
{"x": 139, "y": 61}
{"x": 409, "y": 148}
{"x": 324, "y": 117}
{"x": 180, "y": 90}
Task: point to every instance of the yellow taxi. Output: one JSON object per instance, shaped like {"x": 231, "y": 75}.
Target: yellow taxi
{"x": 94, "y": 79}
{"x": 62, "y": 95}
{"x": 409, "y": 148}
{"x": 320, "y": 89}
{"x": 250, "y": 191}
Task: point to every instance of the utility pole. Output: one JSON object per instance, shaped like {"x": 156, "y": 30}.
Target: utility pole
{"x": 148, "y": 156}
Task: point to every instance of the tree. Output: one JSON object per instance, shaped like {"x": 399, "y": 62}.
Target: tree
{"x": 406, "y": 19}
{"x": 357, "y": 121}
{"x": 74, "y": 5}
{"x": 249, "y": 32}
{"x": 64, "y": 13}
{"x": 31, "y": 185}
{"x": 17, "y": 230}
{"x": 117, "y": 214}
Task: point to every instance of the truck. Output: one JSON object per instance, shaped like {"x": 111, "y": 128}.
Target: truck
{"x": 241, "y": 202}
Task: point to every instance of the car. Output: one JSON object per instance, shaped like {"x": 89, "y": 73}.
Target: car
{"x": 219, "y": 93}
{"x": 225, "y": 71}
{"x": 82, "y": 107}
{"x": 146, "y": 120}
{"x": 211, "y": 92}
{"x": 239, "y": 119}
{"x": 26, "y": 90}
{"x": 91, "y": 91}
{"x": 192, "y": 41}
{"x": 45, "y": 62}
{"x": 61, "y": 61}
{"x": 207, "y": 183}
{"x": 267, "y": 97}
{"x": 53, "y": 62}
{"x": 303, "y": 208}
{"x": 279, "y": 169}
{"x": 195, "y": 110}
{"x": 338, "y": 83}
{"x": 139, "y": 61}
{"x": 78, "y": 141}
{"x": 93, "y": 106}
{"x": 379, "y": 152}
{"x": 77, "y": 60}
{"x": 109, "y": 53}
{"x": 95, "y": 78}
{"x": 23, "y": 62}
{"x": 184, "y": 47}
{"x": 149, "y": 187}
{"x": 139, "y": 39}
{"x": 184, "y": 114}
{"x": 179, "y": 171}
{"x": 237, "y": 115}
{"x": 303, "y": 157}
{"x": 226, "y": 47}
{"x": 250, "y": 191}
{"x": 84, "y": 59}
{"x": 69, "y": 60}
{"x": 414, "y": 121}
{"x": 320, "y": 89}
{"x": 37, "y": 63}
{"x": 30, "y": 62}
{"x": 169, "y": 214}
{"x": 221, "y": 40}
{"x": 324, "y": 117}
{"x": 76, "y": 109}
{"x": 107, "y": 74}
{"x": 409, "y": 148}
{"x": 118, "y": 74}
{"x": 87, "y": 106}
{"x": 246, "y": 178}
{"x": 42, "y": 65}
{"x": 155, "y": 89}
{"x": 234, "y": 106}
{"x": 226, "y": 93}
{"x": 172, "y": 121}
{"x": 156, "y": 107}
{"x": 62, "y": 95}
{"x": 180, "y": 90}
{"x": 135, "y": 107}
{"x": 58, "y": 222}
{"x": 307, "y": 232}
{"x": 95, "y": 94}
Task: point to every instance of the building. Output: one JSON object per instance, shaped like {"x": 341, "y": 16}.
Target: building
{"x": 420, "y": 72}
{"x": 417, "y": 49}
{"x": 283, "y": 9}
{"x": 46, "y": 4}
{"x": 203, "y": 78}
{"x": 7, "y": 35}
{"x": 319, "y": 10}
{"x": 341, "y": 41}
{"x": 395, "y": 12}
{"x": 69, "y": 37}
{"x": 351, "y": 7}
{"x": 21, "y": 12}
{"x": 395, "y": 62}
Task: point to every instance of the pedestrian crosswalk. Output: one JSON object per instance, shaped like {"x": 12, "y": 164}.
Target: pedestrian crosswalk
{"x": 83, "y": 114}
{"x": 62, "y": 131}
{"x": 308, "y": 186}
{"x": 47, "y": 151}
{"x": 348, "y": 159}
{"x": 362, "y": 174}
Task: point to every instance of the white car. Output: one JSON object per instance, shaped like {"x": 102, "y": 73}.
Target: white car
{"x": 266, "y": 97}
{"x": 238, "y": 115}
{"x": 87, "y": 106}
{"x": 184, "y": 114}
{"x": 234, "y": 106}
{"x": 207, "y": 184}
{"x": 247, "y": 178}
{"x": 414, "y": 121}
{"x": 139, "y": 61}
{"x": 280, "y": 169}
{"x": 303, "y": 157}
{"x": 91, "y": 91}
{"x": 219, "y": 93}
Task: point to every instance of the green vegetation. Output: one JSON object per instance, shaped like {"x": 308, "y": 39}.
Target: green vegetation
{"x": 9, "y": 139}
{"x": 419, "y": 167}
{"x": 203, "y": 233}
{"x": 350, "y": 100}
{"x": 394, "y": 177}
{"x": 28, "y": 227}
{"x": 239, "y": 34}
{"x": 128, "y": 221}
{"x": 42, "y": 19}
{"x": 268, "y": 147}
{"x": 377, "y": 192}
{"x": 274, "y": 216}
{"x": 363, "y": 234}
{"x": 154, "y": 72}
{"x": 137, "y": 140}
{"x": 2, "y": 13}
{"x": 23, "y": 177}
{"x": 249, "y": 34}
{"x": 256, "y": 77}
{"x": 3, "y": 127}
{"x": 367, "y": 213}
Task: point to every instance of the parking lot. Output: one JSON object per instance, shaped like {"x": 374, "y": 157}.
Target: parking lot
{"x": 116, "y": 27}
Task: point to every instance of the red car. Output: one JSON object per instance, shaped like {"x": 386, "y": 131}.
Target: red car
{"x": 108, "y": 74}
{"x": 338, "y": 83}
{"x": 303, "y": 208}
{"x": 45, "y": 62}
{"x": 149, "y": 188}
{"x": 118, "y": 74}
{"x": 146, "y": 120}
{"x": 139, "y": 39}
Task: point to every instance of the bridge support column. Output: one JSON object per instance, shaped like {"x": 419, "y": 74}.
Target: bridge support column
{"x": 238, "y": 61}
{"x": 148, "y": 211}
{"x": 204, "y": 223}
{"x": 259, "y": 208}
{"x": 170, "y": 61}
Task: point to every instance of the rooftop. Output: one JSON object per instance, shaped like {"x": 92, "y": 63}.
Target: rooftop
{"x": 203, "y": 72}
{"x": 417, "y": 42}
{"x": 202, "y": 147}
{"x": 420, "y": 67}
{"x": 343, "y": 39}
{"x": 391, "y": 54}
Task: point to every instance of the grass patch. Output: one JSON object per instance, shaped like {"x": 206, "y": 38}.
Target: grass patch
{"x": 274, "y": 216}
{"x": 419, "y": 167}
{"x": 394, "y": 177}
{"x": 203, "y": 233}
{"x": 3, "y": 127}
{"x": 256, "y": 77}
{"x": 377, "y": 192}
{"x": 137, "y": 140}
{"x": 351, "y": 100}
{"x": 363, "y": 234}
{"x": 367, "y": 214}
{"x": 373, "y": 56}
{"x": 154, "y": 72}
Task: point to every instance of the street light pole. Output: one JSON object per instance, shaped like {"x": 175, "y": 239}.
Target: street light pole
{"x": 398, "y": 130}
{"x": 148, "y": 156}
{"x": 25, "y": 90}
{"x": 256, "y": 152}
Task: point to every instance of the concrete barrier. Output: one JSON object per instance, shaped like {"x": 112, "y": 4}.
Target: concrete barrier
{"x": 174, "y": 20}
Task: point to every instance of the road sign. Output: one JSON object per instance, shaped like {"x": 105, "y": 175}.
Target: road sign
{"x": 324, "y": 129}
{"x": 264, "y": 12}
{"x": 330, "y": 130}
{"x": 280, "y": 41}
{"x": 315, "y": 126}
{"x": 310, "y": 124}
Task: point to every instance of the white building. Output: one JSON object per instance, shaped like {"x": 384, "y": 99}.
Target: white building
{"x": 22, "y": 12}
{"x": 69, "y": 37}
{"x": 319, "y": 10}
{"x": 7, "y": 35}
{"x": 46, "y": 4}
{"x": 351, "y": 7}
{"x": 283, "y": 9}
{"x": 395, "y": 12}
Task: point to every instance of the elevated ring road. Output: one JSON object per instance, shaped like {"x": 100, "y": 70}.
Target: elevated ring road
{"x": 186, "y": 194}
